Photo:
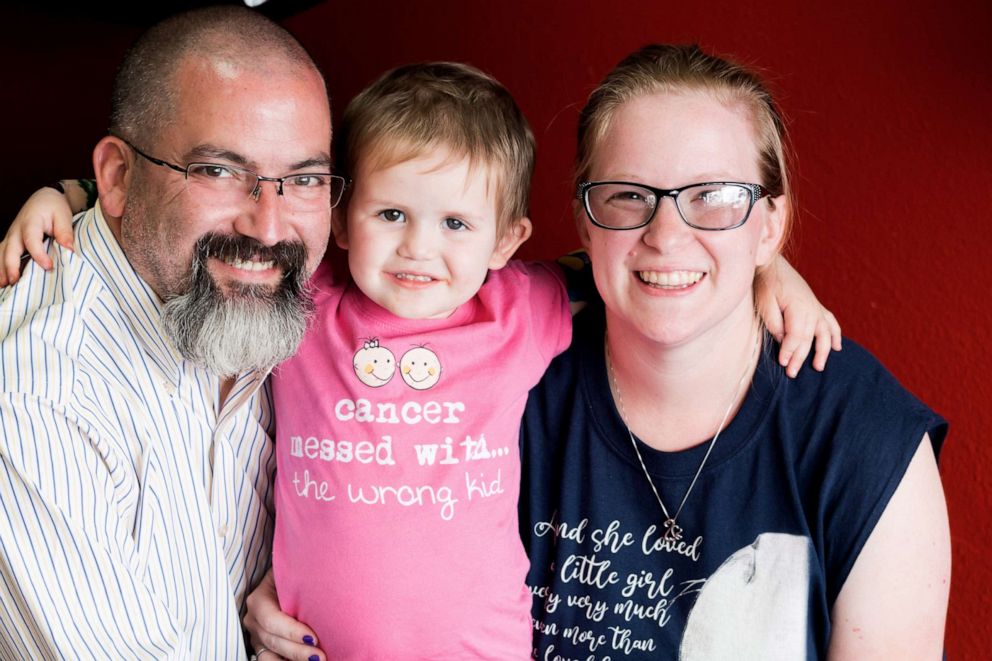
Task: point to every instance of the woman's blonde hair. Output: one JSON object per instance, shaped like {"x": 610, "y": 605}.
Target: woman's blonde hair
{"x": 662, "y": 68}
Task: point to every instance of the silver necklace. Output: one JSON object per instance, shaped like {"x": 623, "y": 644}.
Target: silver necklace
{"x": 673, "y": 531}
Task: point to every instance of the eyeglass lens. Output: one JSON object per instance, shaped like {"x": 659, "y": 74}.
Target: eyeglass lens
{"x": 706, "y": 206}
{"x": 225, "y": 183}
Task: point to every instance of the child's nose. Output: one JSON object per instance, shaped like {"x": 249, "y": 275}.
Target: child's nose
{"x": 419, "y": 242}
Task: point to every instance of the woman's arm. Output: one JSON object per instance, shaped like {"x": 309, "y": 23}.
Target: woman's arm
{"x": 894, "y": 602}
{"x": 277, "y": 632}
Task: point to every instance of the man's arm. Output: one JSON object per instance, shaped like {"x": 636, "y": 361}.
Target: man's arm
{"x": 894, "y": 602}
{"x": 71, "y": 581}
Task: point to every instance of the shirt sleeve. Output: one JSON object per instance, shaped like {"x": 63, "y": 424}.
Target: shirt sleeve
{"x": 550, "y": 315}
{"x": 577, "y": 270}
{"x": 875, "y": 427}
{"x": 70, "y": 576}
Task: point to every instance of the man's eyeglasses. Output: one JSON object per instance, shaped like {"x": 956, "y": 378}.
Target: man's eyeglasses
{"x": 228, "y": 183}
{"x": 713, "y": 206}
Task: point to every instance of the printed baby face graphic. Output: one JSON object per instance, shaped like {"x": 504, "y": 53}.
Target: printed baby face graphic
{"x": 420, "y": 368}
{"x": 374, "y": 365}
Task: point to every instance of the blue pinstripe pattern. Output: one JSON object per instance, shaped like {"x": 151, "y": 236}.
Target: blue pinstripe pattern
{"x": 135, "y": 513}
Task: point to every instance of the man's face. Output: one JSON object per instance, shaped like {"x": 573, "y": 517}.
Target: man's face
{"x": 248, "y": 256}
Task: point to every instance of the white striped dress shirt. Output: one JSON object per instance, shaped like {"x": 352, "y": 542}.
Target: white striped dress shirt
{"x": 135, "y": 511}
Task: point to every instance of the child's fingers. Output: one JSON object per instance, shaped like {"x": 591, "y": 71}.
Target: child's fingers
{"x": 4, "y": 278}
{"x": 12, "y": 262}
{"x": 63, "y": 235}
{"x": 823, "y": 341}
{"x": 796, "y": 343}
{"x": 36, "y": 248}
{"x": 836, "y": 337}
{"x": 771, "y": 315}
{"x": 798, "y": 357}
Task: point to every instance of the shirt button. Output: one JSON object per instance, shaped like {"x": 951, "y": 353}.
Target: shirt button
{"x": 222, "y": 531}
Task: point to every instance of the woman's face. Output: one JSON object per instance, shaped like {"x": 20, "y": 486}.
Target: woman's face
{"x": 667, "y": 281}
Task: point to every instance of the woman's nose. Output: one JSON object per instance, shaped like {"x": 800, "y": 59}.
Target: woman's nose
{"x": 666, "y": 229}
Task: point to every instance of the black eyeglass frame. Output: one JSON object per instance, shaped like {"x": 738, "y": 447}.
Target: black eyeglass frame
{"x": 256, "y": 191}
{"x": 757, "y": 192}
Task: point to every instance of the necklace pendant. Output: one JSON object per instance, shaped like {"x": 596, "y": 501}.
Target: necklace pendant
{"x": 673, "y": 531}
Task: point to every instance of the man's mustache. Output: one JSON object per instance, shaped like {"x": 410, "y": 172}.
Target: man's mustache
{"x": 289, "y": 256}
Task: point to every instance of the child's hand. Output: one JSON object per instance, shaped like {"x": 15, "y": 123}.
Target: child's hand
{"x": 794, "y": 316}
{"x": 46, "y": 212}
{"x": 271, "y": 630}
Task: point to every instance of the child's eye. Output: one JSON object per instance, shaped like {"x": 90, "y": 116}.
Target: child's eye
{"x": 392, "y": 215}
{"x": 454, "y": 224}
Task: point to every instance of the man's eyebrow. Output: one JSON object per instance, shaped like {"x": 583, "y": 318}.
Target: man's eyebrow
{"x": 322, "y": 160}
{"x": 212, "y": 151}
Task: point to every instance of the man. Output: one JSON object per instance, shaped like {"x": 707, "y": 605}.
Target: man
{"x": 135, "y": 430}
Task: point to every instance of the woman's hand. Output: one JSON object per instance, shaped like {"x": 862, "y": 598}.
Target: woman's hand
{"x": 47, "y": 212}
{"x": 794, "y": 317}
{"x": 278, "y": 634}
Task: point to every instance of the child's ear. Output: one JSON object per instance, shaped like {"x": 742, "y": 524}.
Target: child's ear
{"x": 518, "y": 232}
{"x": 339, "y": 225}
{"x": 112, "y": 163}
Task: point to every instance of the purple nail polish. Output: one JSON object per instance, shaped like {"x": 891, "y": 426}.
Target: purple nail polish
{"x": 313, "y": 657}
{"x": 309, "y": 641}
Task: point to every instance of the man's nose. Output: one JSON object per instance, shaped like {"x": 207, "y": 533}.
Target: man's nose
{"x": 266, "y": 217}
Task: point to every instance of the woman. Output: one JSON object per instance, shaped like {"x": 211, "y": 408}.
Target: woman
{"x": 683, "y": 499}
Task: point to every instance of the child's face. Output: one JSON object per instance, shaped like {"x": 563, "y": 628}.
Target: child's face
{"x": 422, "y": 234}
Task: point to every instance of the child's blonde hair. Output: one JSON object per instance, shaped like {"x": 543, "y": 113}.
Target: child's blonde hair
{"x": 443, "y": 104}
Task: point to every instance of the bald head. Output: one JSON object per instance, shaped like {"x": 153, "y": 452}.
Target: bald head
{"x": 232, "y": 39}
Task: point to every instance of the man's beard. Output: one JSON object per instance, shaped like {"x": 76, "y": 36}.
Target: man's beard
{"x": 251, "y": 327}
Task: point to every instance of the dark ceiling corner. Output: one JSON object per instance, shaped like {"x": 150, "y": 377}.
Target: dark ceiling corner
{"x": 146, "y": 12}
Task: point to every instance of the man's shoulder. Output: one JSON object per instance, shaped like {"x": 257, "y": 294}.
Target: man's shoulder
{"x": 70, "y": 288}
{"x": 44, "y": 322}
{"x": 72, "y": 280}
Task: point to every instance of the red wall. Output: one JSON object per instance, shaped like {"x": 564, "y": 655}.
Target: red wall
{"x": 890, "y": 105}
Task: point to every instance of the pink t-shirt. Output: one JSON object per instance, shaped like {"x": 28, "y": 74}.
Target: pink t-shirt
{"x": 399, "y": 470}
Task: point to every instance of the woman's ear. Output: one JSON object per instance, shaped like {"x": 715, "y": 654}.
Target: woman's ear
{"x": 112, "y": 163}
{"x": 581, "y": 226}
{"x": 511, "y": 239}
{"x": 770, "y": 243}
{"x": 339, "y": 225}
